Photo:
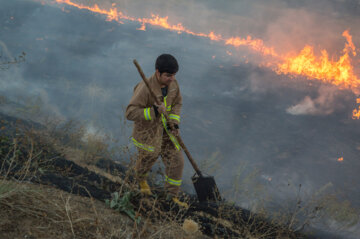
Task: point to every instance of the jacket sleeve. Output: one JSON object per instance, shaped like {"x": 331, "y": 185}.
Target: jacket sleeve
{"x": 139, "y": 108}
{"x": 174, "y": 114}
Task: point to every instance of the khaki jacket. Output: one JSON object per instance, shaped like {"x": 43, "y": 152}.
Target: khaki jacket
{"x": 148, "y": 129}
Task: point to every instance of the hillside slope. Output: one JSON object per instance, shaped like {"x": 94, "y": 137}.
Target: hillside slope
{"x": 49, "y": 189}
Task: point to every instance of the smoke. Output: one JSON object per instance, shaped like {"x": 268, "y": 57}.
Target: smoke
{"x": 24, "y": 98}
{"x": 5, "y": 49}
{"x": 306, "y": 106}
{"x": 83, "y": 69}
{"x": 324, "y": 104}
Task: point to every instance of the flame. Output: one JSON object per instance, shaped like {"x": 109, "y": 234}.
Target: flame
{"x": 111, "y": 15}
{"x": 114, "y": 15}
{"x": 356, "y": 112}
{"x": 142, "y": 28}
{"x": 214, "y": 37}
{"x": 340, "y": 72}
{"x": 349, "y": 45}
{"x": 340, "y": 159}
{"x": 255, "y": 44}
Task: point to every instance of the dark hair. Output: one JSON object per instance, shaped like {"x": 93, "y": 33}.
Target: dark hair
{"x": 166, "y": 63}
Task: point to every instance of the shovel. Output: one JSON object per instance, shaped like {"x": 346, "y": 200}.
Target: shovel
{"x": 205, "y": 186}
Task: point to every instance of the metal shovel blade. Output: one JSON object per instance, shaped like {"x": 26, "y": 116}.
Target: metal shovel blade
{"x": 206, "y": 188}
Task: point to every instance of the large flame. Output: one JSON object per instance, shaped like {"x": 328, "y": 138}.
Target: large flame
{"x": 338, "y": 72}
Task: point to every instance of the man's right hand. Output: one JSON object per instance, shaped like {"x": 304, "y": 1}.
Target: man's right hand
{"x": 161, "y": 108}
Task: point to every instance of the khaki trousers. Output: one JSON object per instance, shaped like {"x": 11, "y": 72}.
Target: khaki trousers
{"x": 172, "y": 159}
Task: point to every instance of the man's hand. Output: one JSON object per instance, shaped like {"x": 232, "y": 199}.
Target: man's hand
{"x": 175, "y": 132}
{"x": 161, "y": 108}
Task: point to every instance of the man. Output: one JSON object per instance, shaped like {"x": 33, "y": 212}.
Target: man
{"x": 151, "y": 133}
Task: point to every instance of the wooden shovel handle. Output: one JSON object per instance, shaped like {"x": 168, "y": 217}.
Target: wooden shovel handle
{"x": 146, "y": 82}
{"x": 192, "y": 161}
{"x": 179, "y": 139}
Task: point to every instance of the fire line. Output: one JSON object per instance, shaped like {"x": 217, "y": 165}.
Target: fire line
{"x": 114, "y": 15}
{"x": 323, "y": 68}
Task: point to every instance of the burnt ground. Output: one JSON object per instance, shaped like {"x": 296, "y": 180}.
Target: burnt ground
{"x": 32, "y": 159}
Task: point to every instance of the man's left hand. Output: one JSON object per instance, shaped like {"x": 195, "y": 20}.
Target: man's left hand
{"x": 175, "y": 132}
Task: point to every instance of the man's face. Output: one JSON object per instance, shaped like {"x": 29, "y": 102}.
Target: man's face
{"x": 165, "y": 78}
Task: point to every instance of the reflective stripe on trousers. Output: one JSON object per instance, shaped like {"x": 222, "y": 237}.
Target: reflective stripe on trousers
{"x": 172, "y": 181}
{"x": 142, "y": 146}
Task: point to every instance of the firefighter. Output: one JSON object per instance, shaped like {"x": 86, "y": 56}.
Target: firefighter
{"x": 151, "y": 132}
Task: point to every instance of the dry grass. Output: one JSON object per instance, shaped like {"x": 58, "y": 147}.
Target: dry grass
{"x": 44, "y": 212}
{"x": 34, "y": 211}
{"x": 37, "y": 211}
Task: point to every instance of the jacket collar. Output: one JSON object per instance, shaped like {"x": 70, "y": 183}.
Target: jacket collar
{"x": 156, "y": 87}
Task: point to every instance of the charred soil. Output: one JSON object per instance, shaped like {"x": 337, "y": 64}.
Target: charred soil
{"x": 44, "y": 194}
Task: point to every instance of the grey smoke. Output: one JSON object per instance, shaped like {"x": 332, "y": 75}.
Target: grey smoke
{"x": 324, "y": 104}
{"x": 244, "y": 117}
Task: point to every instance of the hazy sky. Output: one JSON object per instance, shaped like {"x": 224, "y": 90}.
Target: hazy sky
{"x": 237, "y": 115}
